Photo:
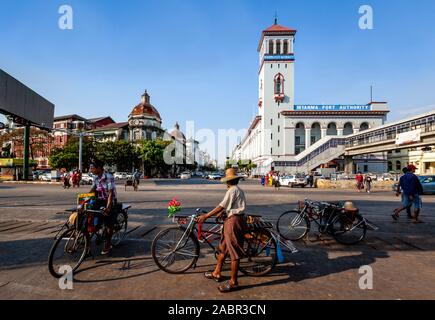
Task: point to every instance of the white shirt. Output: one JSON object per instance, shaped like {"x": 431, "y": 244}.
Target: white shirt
{"x": 234, "y": 201}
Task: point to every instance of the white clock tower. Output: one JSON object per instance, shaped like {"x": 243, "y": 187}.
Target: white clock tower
{"x": 276, "y": 88}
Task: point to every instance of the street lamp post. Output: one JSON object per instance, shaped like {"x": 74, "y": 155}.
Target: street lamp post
{"x": 81, "y": 151}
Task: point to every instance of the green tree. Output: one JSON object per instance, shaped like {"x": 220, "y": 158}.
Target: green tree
{"x": 68, "y": 156}
{"x": 122, "y": 154}
{"x": 151, "y": 153}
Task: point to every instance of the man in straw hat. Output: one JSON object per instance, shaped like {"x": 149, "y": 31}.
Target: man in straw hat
{"x": 234, "y": 205}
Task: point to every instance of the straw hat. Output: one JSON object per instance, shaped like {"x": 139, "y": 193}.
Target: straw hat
{"x": 230, "y": 175}
{"x": 348, "y": 205}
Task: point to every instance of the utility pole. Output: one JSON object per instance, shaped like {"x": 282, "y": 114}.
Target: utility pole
{"x": 26, "y": 152}
{"x": 81, "y": 151}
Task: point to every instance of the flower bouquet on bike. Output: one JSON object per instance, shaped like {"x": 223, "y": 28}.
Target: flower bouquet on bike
{"x": 83, "y": 234}
{"x": 177, "y": 249}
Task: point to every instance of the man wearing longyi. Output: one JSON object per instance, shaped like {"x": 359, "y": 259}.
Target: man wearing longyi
{"x": 234, "y": 205}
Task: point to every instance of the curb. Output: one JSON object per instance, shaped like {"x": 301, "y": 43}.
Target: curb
{"x": 31, "y": 182}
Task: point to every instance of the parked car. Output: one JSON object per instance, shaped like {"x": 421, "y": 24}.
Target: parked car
{"x": 185, "y": 175}
{"x": 427, "y": 181}
{"x": 87, "y": 178}
{"x": 120, "y": 175}
{"x": 293, "y": 181}
{"x": 215, "y": 176}
{"x": 45, "y": 177}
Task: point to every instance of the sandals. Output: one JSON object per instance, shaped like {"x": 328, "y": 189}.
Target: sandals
{"x": 209, "y": 275}
{"x": 227, "y": 287}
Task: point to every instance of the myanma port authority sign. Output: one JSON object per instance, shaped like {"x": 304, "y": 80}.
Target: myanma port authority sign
{"x": 333, "y": 107}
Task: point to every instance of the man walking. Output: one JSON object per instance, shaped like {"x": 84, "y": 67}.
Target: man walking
{"x": 234, "y": 205}
{"x": 412, "y": 191}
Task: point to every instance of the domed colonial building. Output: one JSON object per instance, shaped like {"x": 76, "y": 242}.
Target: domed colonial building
{"x": 144, "y": 121}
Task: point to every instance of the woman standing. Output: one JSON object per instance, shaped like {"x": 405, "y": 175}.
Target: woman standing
{"x": 359, "y": 182}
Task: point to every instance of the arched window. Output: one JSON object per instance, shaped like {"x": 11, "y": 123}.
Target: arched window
{"x": 390, "y": 166}
{"x": 299, "y": 138}
{"x": 332, "y": 129}
{"x": 285, "y": 47}
{"x": 278, "y": 46}
{"x": 364, "y": 126}
{"x": 316, "y": 133}
{"x": 279, "y": 84}
{"x": 348, "y": 129}
{"x": 270, "y": 46}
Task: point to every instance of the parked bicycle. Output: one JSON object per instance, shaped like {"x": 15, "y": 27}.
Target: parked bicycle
{"x": 177, "y": 249}
{"x": 82, "y": 235}
{"x": 346, "y": 225}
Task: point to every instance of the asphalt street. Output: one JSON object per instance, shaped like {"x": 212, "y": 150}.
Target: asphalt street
{"x": 401, "y": 254}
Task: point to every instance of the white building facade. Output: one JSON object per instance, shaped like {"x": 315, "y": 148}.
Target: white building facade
{"x": 283, "y": 133}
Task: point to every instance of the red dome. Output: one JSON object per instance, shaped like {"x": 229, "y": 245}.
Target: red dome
{"x": 145, "y": 108}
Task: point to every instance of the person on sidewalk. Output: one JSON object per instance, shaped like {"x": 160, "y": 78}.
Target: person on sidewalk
{"x": 359, "y": 181}
{"x": 234, "y": 205}
{"x": 411, "y": 187}
{"x": 368, "y": 183}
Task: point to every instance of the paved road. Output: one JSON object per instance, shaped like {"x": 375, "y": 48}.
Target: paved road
{"x": 401, "y": 254}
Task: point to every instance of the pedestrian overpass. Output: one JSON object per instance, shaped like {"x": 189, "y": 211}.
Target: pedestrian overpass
{"x": 415, "y": 132}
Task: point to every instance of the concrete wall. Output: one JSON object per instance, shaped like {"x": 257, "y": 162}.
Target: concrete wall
{"x": 351, "y": 185}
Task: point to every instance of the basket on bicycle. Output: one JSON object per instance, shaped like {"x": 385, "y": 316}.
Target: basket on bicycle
{"x": 350, "y": 210}
{"x": 256, "y": 223}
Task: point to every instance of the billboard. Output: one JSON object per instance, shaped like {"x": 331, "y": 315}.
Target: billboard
{"x": 22, "y": 103}
{"x": 409, "y": 137}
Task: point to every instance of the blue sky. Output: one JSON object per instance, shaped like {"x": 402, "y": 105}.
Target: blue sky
{"x": 198, "y": 59}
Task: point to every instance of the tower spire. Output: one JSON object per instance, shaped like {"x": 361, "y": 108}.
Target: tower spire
{"x": 276, "y": 18}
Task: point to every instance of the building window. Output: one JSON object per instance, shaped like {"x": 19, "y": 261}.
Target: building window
{"x": 271, "y": 151}
{"x": 278, "y": 46}
{"x": 279, "y": 65}
{"x": 271, "y": 65}
{"x": 278, "y": 128}
{"x": 286, "y": 65}
{"x": 271, "y": 136}
{"x": 279, "y": 84}
{"x": 279, "y": 115}
{"x": 285, "y": 46}
{"x": 390, "y": 166}
{"x": 271, "y": 122}
{"x": 278, "y": 143}
{"x": 298, "y": 141}
{"x": 270, "y": 46}
{"x": 398, "y": 165}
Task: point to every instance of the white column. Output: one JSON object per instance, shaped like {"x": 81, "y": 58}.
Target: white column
{"x": 340, "y": 131}
{"x": 324, "y": 132}
{"x": 307, "y": 138}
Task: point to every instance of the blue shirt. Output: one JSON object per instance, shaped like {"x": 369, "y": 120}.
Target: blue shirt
{"x": 410, "y": 184}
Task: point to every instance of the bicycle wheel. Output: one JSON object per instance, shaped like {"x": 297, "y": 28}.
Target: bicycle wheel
{"x": 347, "y": 230}
{"x": 292, "y": 225}
{"x": 174, "y": 251}
{"x": 260, "y": 253}
{"x": 120, "y": 228}
{"x": 69, "y": 249}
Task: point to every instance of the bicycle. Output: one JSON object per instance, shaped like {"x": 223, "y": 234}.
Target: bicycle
{"x": 177, "y": 249}
{"x": 346, "y": 226}
{"x": 72, "y": 244}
